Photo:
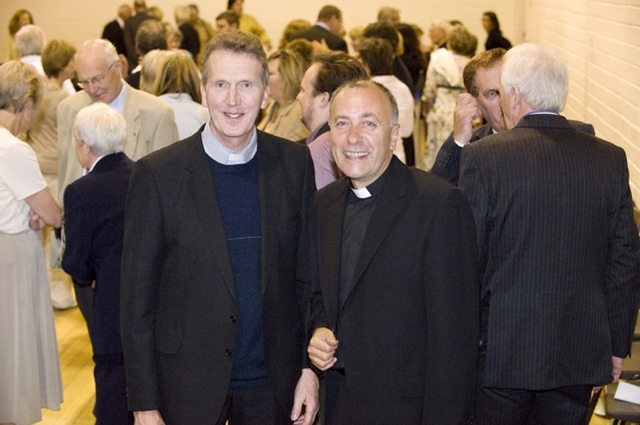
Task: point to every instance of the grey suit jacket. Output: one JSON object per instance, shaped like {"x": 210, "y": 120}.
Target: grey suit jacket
{"x": 179, "y": 309}
{"x": 409, "y": 324}
{"x": 559, "y": 253}
{"x": 150, "y": 126}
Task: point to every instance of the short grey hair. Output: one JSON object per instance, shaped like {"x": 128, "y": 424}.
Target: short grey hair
{"x": 102, "y": 128}
{"x": 364, "y": 84}
{"x": 540, "y": 74}
{"x": 239, "y": 43}
{"x": 30, "y": 40}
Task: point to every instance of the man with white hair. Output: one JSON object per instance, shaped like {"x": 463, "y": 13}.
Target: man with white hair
{"x": 559, "y": 263}
{"x": 94, "y": 228}
{"x": 150, "y": 121}
{"x": 30, "y": 41}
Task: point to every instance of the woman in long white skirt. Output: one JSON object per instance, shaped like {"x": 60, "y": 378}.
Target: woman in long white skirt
{"x": 29, "y": 365}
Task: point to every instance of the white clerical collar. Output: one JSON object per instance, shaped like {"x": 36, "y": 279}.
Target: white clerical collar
{"x": 361, "y": 193}
{"x": 222, "y": 154}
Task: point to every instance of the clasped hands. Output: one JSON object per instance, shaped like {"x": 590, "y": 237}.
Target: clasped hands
{"x": 322, "y": 349}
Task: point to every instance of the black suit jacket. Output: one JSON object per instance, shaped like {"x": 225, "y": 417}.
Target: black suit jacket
{"x": 318, "y": 33}
{"x": 409, "y": 326}
{"x": 447, "y": 163}
{"x": 115, "y": 35}
{"x": 94, "y": 228}
{"x": 401, "y": 72}
{"x": 131, "y": 26}
{"x": 559, "y": 253}
{"x": 179, "y": 309}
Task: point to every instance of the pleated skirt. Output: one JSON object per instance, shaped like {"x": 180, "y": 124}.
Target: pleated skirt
{"x": 29, "y": 365}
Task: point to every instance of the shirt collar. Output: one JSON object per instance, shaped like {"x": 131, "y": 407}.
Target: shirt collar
{"x": 118, "y": 102}
{"x": 222, "y": 154}
{"x": 323, "y": 25}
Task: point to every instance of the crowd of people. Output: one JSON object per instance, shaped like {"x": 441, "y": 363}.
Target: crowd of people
{"x": 243, "y": 225}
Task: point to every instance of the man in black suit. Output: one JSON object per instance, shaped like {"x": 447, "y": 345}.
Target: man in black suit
{"x": 215, "y": 263}
{"x": 114, "y": 30}
{"x": 481, "y": 78}
{"x": 94, "y": 228}
{"x": 327, "y": 29}
{"x": 394, "y": 312}
{"x": 152, "y": 35}
{"x": 559, "y": 251}
{"x": 130, "y": 29}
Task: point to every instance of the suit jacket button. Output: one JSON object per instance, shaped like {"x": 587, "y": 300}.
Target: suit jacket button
{"x": 228, "y": 352}
{"x": 233, "y": 319}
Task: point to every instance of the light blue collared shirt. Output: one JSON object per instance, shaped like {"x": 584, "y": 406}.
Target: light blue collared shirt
{"x": 118, "y": 102}
{"x": 222, "y": 154}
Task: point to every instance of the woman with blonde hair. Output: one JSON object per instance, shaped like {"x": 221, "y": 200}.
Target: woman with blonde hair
{"x": 29, "y": 365}
{"x": 150, "y": 68}
{"x": 178, "y": 83}
{"x": 283, "y": 114}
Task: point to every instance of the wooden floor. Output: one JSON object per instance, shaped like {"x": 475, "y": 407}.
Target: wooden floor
{"x": 77, "y": 373}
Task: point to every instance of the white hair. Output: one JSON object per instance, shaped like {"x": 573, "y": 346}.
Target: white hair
{"x": 101, "y": 128}
{"x": 30, "y": 40}
{"x": 539, "y": 73}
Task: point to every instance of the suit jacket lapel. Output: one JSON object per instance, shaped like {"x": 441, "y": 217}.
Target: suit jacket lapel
{"x": 270, "y": 187}
{"x": 203, "y": 193}
{"x": 330, "y": 238}
{"x": 133, "y": 124}
{"x": 387, "y": 208}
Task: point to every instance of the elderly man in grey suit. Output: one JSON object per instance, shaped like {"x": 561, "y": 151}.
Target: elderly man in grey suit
{"x": 559, "y": 252}
{"x": 150, "y": 122}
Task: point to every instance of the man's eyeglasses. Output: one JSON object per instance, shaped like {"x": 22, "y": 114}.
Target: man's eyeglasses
{"x": 95, "y": 81}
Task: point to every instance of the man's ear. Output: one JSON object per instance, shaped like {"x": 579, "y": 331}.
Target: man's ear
{"x": 517, "y": 97}
{"x": 325, "y": 99}
{"x": 395, "y": 136}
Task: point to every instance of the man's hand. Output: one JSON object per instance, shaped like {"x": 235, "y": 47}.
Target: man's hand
{"x": 617, "y": 367}
{"x": 307, "y": 395}
{"x": 616, "y": 371}
{"x": 148, "y": 417}
{"x": 464, "y": 114}
{"x": 322, "y": 349}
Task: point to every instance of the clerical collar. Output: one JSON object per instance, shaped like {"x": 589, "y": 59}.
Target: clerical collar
{"x": 222, "y": 154}
{"x": 361, "y": 193}
{"x": 373, "y": 189}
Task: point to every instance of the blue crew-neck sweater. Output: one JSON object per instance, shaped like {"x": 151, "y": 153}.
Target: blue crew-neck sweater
{"x": 239, "y": 200}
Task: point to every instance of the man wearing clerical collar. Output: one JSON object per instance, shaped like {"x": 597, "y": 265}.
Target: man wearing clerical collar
{"x": 394, "y": 309}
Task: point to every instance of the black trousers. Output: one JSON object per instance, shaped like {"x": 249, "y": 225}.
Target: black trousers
{"x": 565, "y": 405}
{"x": 253, "y": 406}
{"x": 111, "y": 391}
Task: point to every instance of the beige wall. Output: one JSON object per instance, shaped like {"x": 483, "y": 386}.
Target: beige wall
{"x": 599, "y": 38}
{"x": 77, "y": 20}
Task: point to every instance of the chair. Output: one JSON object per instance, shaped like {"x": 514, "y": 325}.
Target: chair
{"x": 620, "y": 411}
